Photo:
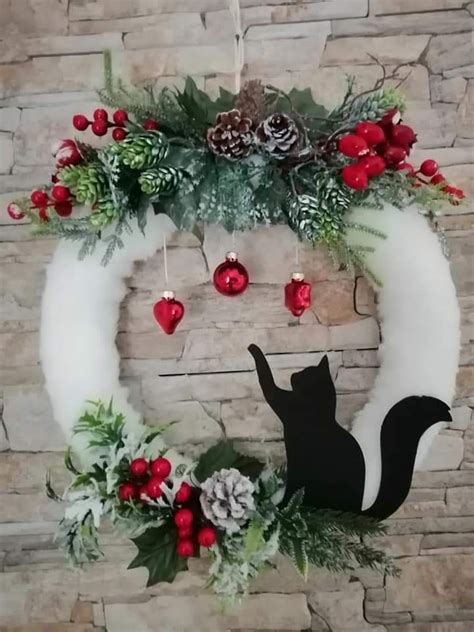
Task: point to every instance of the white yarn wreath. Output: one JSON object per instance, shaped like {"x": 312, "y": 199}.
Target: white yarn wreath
{"x": 417, "y": 307}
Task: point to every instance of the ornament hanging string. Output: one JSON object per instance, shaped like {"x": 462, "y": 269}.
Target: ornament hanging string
{"x": 297, "y": 253}
{"x": 165, "y": 261}
{"x": 239, "y": 55}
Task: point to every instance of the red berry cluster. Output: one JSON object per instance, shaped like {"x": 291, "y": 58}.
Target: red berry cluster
{"x": 100, "y": 123}
{"x": 59, "y": 199}
{"x": 430, "y": 169}
{"x": 148, "y": 478}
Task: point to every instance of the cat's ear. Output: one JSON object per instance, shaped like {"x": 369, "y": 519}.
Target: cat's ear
{"x": 324, "y": 363}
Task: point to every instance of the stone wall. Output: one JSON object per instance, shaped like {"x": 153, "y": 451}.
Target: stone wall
{"x": 50, "y": 65}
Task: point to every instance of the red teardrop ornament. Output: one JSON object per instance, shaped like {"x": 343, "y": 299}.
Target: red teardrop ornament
{"x": 168, "y": 312}
{"x": 231, "y": 277}
{"x": 297, "y": 294}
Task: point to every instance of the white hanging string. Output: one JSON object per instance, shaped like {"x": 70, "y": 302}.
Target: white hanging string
{"x": 233, "y": 240}
{"x": 297, "y": 254}
{"x": 165, "y": 261}
{"x": 239, "y": 55}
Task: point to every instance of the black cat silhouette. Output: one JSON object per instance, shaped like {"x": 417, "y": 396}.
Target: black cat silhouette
{"x": 325, "y": 459}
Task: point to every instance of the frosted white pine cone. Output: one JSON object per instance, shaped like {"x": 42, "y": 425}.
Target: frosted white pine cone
{"x": 227, "y": 499}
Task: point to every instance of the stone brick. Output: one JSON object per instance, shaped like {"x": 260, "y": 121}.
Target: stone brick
{"x": 6, "y": 153}
{"x": 360, "y": 379}
{"x": 72, "y": 44}
{"x": 435, "y": 128}
{"x": 333, "y": 302}
{"x": 194, "y": 422}
{"x": 388, "y": 50}
{"x": 460, "y": 500}
{"x": 276, "y": 55}
{"x": 33, "y": 17}
{"x": 464, "y": 381}
{"x": 466, "y": 113}
{"x": 446, "y": 453}
{"x": 170, "y": 30}
{"x": 399, "y": 545}
{"x": 179, "y": 614}
{"x": 432, "y": 583}
{"x": 406, "y": 24}
{"x": 461, "y": 264}
{"x": 151, "y": 345}
{"x": 29, "y": 508}
{"x": 82, "y": 612}
{"x": 248, "y": 419}
{"x": 347, "y": 405}
{"x": 344, "y": 610}
{"x": 449, "y": 51}
{"x": 381, "y": 7}
{"x": 461, "y": 417}
{"x": 431, "y": 525}
{"x": 9, "y": 119}
{"x": 461, "y": 71}
{"x": 49, "y": 627}
{"x": 187, "y": 266}
{"x": 22, "y": 473}
{"x": 355, "y": 358}
{"x": 363, "y": 334}
{"x": 447, "y": 540}
{"x": 450, "y": 626}
{"x": 442, "y": 479}
{"x": 19, "y": 349}
{"x": 447, "y": 90}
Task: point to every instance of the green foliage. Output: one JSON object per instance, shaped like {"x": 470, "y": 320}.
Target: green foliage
{"x": 160, "y": 181}
{"x": 87, "y": 182}
{"x": 105, "y": 426}
{"x": 223, "y": 455}
{"x": 142, "y": 150}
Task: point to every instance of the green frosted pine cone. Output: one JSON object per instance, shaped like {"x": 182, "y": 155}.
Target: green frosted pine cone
{"x": 160, "y": 181}
{"x": 105, "y": 211}
{"x": 141, "y": 151}
{"x": 315, "y": 221}
{"x": 87, "y": 183}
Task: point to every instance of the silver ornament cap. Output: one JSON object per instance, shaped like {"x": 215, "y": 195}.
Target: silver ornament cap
{"x": 168, "y": 295}
{"x": 232, "y": 256}
{"x": 297, "y": 276}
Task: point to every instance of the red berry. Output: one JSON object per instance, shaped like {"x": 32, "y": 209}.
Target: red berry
{"x": 183, "y": 518}
{"x": 355, "y": 177}
{"x": 43, "y": 214}
{"x": 184, "y": 533}
{"x": 80, "y": 122}
{"x": 185, "y": 548}
{"x": 39, "y": 198}
{"x": 183, "y": 494}
{"x": 403, "y": 136}
{"x": 14, "y": 211}
{"x": 393, "y": 155}
{"x": 372, "y": 134}
{"x": 63, "y": 209}
{"x": 161, "y": 467}
{"x": 207, "y": 536}
{"x": 66, "y": 153}
{"x": 459, "y": 193}
{"x": 373, "y": 165}
{"x": 120, "y": 117}
{"x": 138, "y": 467}
{"x": 389, "y": 119}
{"x": 99, "y": 128}
{"x": 150, "y": 124}
{"x": 119, "y": 133}
{"x": 60, "y": 193}
{"x": 127, "y": 491}
{"x": 100, "y": 115}
{"x": 407, "y": 167}
{"x": 438, "y": 179}
{"x": 154, "y": 487}
{"x": 352, "y": 146}
{"x": 429, "y": 168}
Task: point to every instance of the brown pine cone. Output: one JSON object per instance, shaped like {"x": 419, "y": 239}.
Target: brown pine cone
{"x": 231, "y": 136}
{"x": 278, "y": 135}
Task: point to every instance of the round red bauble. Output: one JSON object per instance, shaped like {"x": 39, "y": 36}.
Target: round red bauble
{"x": 230, "y": 277}
{"x": 183, "y": 494}
{"x": 161, "y": 467}
{"x": 66, "y": 153}
{"x": 355, "y": 177}
{"x": 100, "y": 115}
{"x": 80, "y": 122}
{"x": 207, "y": 536}
{"x": 39, "y": 198}
{"x": 168, "y": 312}
{"x": 127, "y": 491}
{"x": 185, "y": 548}
{"x": 438, "y": 179}
{"x": 297, "y": 294}
{"x": 138, "y": 467}
{"x": 14, "y": 211}
{"x": 393, "y": 154}
{"x": 352, "y": 146}
{"x": 63, "y": 209}
{"x": 429, "y": 168}
{"x": 120, "y": 117}
{"x": 99, "y": 127}
{"x": 372, "y": 133}
{"x": 183, "y": 518}
{"x": 373, "y": 165}
{"x": 119, "y": 134}
{"x": 153, "y": 487}
{"x": 150, "y": 124}
{"x": 407, "y": 167}
{"x": 402, "y": 135}
{"x": 60, "y": 193}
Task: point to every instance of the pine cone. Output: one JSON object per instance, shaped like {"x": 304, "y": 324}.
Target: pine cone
{"x": 317, "y": 219}
{"x": 141, "y": 151}
{"x": 251, "y": 101}
{"x": 231, "y": 136}
{"x": 87, "y": 183}
{"x": 162, "y": 180}
{"x": 278, "y": 135}
{"x": 105, "y": 212}
{"x": 227, "y": 499}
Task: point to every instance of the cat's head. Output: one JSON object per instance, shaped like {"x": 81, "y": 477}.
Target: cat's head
{"x": 314, "y": 381}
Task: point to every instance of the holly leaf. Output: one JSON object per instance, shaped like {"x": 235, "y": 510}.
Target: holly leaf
{"x": 157, "y": 552}
{"x": 248, "y": 465}
{"x": 224, "y": 455}
{"x": 304, "y": 103}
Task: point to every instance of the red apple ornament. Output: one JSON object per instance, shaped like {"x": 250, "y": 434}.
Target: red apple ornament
{"x": 168, "y": 312}
{"x": 297, "y": 294}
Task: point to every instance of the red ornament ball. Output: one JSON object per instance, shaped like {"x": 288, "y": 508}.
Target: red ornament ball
{"x": 39, "y": 198}
{"x": 355, "y": 177}
{"x": 66, "y": 153}
{"x": 139, "y": 467}
{"x": 407, "y": 167}
{"x": 60, "y": 193}
{"x": 168, "y": 312}
{"x": 43, "y": 214}
{"x": 183, "y": 518}
{"x": 230, "y": 277}
{"x": 99, "y": 127}
{"x": 150, "y": 124}
{"x": 120, "y": 117}
{"x": 352, "y": 146}
{"x": 119, "y": 134}
{"x": 100, "y": 115}
{"x": 438, "y": 179}
{"x": 63, "y": 209}
{"x": 153, "y": 487}
{"x": 184, "y": 533}
{"x": 80, "y": 122}
{"x": 183, "y": 494}
{"x": 15, "y": 212}
{"x": 207, "y": 536}
{"x": 161, "y": 467}
{"x": 185, "y": 548}
{"x": 429, "y": 168}
{"x": 127, "y": 491}
{"x": 393, "y": 154}
{"x": 297, "y": 294}
{"x": 403, "y": 136}
{"x": 372, "y": 133}
{"x": 373, "y": 165}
